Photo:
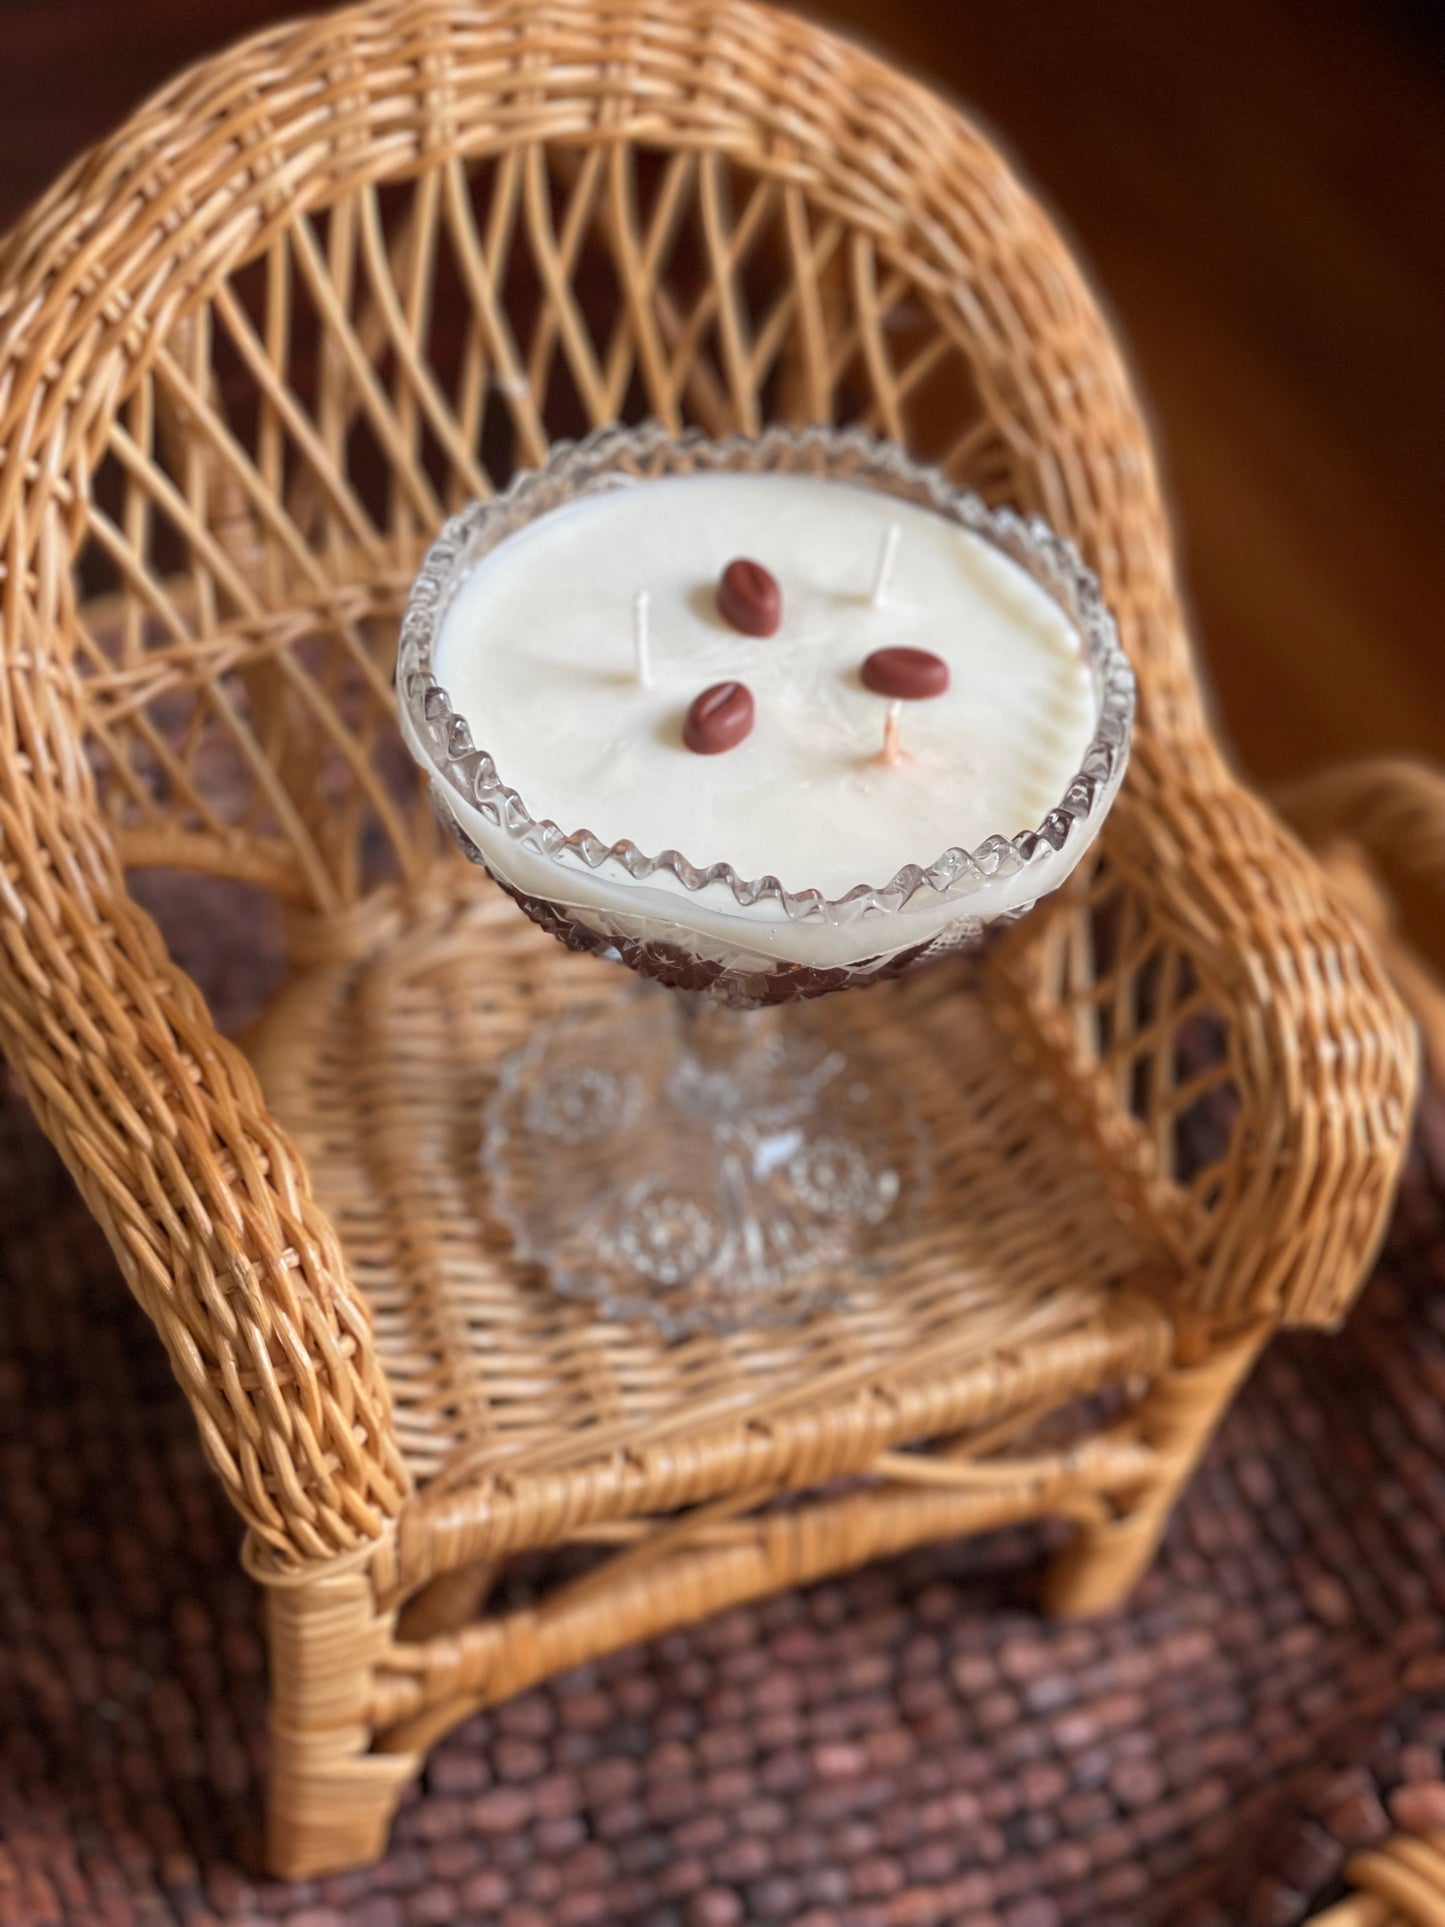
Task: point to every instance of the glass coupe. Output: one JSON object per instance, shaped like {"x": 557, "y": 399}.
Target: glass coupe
{"x": 698, "y": 1155}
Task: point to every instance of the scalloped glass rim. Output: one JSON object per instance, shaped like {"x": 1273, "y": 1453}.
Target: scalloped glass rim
{"x": 849, "y": 455}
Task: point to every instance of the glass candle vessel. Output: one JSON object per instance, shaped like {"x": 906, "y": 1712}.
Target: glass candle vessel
{"x": 704, "y": 1158}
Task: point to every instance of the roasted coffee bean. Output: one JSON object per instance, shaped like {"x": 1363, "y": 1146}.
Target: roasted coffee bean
{"x": 748, "y": 597}
{"x": 719, "y": 718}
{"x": 912, "y": 674}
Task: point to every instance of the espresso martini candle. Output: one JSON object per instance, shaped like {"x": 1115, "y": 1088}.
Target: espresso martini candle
{"x": 791, "y": 675}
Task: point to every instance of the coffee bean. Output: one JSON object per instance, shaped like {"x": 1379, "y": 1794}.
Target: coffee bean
{"x": 913, "y": 674}
{"x": 748, "y": 597}
{"x": 719, "y": 718}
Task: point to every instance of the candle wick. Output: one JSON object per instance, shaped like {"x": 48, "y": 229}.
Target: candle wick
{"x": 887, "y": 556}
{"x": 641, "y": 640}
{"x": 893, "y": 752}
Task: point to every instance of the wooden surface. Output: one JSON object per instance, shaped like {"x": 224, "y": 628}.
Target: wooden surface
{"x": 1259, "y": 185}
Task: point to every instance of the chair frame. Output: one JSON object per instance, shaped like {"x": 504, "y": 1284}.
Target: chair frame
{"x": 112, "y": 293}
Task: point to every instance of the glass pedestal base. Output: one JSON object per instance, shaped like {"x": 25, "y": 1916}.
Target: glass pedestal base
{"x": 707, "y": 1169}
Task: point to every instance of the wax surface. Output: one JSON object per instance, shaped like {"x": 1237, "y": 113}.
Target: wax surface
{"x": 536, "y": 652}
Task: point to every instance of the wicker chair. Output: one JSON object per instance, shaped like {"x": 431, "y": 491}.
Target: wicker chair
{"x": 316, "y": 293}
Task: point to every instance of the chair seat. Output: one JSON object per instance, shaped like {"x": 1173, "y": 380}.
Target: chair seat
{"x": 1017, "y": 1286}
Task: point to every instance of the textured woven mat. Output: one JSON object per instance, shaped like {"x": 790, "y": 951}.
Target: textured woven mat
{"x": 909, "y": 1746}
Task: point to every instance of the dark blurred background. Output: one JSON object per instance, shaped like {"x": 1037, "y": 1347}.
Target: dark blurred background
{"x": 1259, "y": 186}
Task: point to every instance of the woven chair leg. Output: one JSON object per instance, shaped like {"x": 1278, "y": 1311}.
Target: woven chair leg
{"x": 331, "y": 1797}
{"x": 1105, "y": 1560}
{"x": 448, "y": 1602}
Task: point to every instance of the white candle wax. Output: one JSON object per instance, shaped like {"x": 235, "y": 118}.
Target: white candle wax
{"x": 536, "y": 651}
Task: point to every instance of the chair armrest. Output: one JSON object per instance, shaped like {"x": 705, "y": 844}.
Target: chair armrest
{"x": 1227, "y": 1040}
{"x": 203, "y": 1199}
{"x": 1374, "y": 826}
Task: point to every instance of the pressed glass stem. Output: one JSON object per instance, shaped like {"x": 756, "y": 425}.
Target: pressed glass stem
{"x": 716, "y": 1036}
{"x": 712, "y": 1030}
{"x": 703, "y": 1166}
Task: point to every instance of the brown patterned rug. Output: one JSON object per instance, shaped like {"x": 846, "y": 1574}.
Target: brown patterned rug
{"x": 908, "y": 1747}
